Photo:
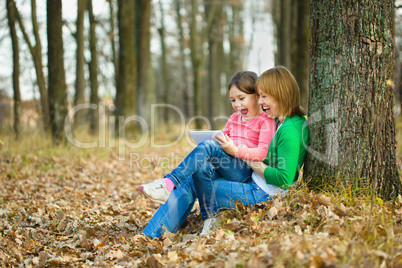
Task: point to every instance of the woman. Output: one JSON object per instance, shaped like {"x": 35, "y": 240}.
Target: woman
{"x": 280, "y": 99}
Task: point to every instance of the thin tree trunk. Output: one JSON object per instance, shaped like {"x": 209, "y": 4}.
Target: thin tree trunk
{"x": 11, "y": 10}
{"x": 112, "y": 40}
{"x": 285, "y": 34}
{"x": 164, "y": 65}
{"x": 236, "y": 41}
{"x": 351, "y": 117}
{"x": 186, "y": 97}
{"x": 93, "y": 70}
{"x": 126, "y": 93}
{"x": 215, "y": 68}
{"x": 197, "y": 55}
{"x": 146, "y": 86}
{"x": 36, "y": 52}
{"x": 300, "y": 48}
{"x": 57, "y": 82}
{"x": 80, "y": 62}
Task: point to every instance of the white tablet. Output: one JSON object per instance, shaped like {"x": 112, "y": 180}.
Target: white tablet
{"x": 203, "y": 135}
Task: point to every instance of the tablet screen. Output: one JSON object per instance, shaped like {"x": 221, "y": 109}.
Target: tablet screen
{"x": 203, "y": 135}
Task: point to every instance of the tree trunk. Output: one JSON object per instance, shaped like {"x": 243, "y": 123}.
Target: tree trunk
{"x": 126, "y": 92}
{"x": 215, "y": 67}
{"x": 146, "y": 87}
{"x": 351, "y": 118}
{"x": 236, "y": 41}
{"x": 195, "y": 62}
{"x": 300, "y": 48}
{"x": 57, "y": 81}
{"x": 93, "y": 70}
{"x": 186, "y": 95}
{"x": 285, "y": 34}
{"x": 36, "y": 52}
{"x": 79, "y": 118}
{"x": 11, "y": 10}
{"x": 112, "y": 40}
{"x": 197, "y": 55}
{"x": 164, "y": 65}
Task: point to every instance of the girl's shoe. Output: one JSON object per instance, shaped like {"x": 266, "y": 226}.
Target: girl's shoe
{"x": 209, "y": 225}
{"x": 156, "y": 191}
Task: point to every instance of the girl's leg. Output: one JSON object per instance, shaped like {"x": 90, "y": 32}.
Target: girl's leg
{"x": 174, "y": 212}
{"x": 229, "y": 167}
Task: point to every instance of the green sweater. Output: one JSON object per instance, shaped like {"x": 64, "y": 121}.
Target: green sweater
{"x": 287, "y": 152}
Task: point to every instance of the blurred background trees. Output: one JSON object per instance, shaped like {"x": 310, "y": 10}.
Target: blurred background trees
{"x": 138, "y": 53}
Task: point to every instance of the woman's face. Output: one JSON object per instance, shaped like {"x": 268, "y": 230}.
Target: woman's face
{"x": 269, "y": 105}
{"x": 245, "y": 104}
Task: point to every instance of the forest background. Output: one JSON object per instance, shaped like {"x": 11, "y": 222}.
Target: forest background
{"x": 69, "y": 181}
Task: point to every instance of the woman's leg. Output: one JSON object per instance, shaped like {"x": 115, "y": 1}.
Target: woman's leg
{"x": 174, "y": 212}
{"x": 220, "y": 194}
{"x": 226, "y": 192}
{"x": 204, "y": 188}
{"x": 230, "y": 167}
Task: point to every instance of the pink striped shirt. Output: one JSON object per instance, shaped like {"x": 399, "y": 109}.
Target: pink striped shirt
{"x": 256, "y": 134}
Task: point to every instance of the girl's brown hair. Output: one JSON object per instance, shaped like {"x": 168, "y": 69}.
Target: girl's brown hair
{"x": 282, "y": 86}
{"x": 244, "y": 81}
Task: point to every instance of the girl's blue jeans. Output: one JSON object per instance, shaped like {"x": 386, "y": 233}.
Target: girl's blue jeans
{"x": 204, "y": 164}
{"x": 172, "y": 215}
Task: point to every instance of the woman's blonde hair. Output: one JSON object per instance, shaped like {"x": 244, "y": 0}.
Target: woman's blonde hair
{"x": 282, "y": 86}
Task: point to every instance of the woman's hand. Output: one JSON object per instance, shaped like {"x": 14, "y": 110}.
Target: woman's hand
{"x": 226, "y": 144}
{"x": 257, "y": 166}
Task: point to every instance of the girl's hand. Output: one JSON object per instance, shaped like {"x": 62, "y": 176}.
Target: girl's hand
{"x": 226, "y": 144}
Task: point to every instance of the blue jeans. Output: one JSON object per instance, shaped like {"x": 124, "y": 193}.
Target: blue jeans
{"x": 204, "y": 164}
{"x": 175, "y": 211}
{"x": 226, "y": 166}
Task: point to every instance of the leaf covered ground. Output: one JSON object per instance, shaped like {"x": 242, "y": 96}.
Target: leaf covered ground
{"x": 66, "y": 206}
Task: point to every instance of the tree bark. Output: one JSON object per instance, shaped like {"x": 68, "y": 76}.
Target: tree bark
{"x": 146, "y": 87}
{"x": 11, "y": 14}
{"x": 186, "y": 95}
{"x": 215, "y": 67}
{"x": 300, "y": 48}
{"x": 36, "y": 52}
{"x": 197, "y": 55}
{"x": 93, "y": 70}
{"x": 164, "y": 65}
{"x": 285, "y": 34}
{"x": 126, "y": 92}
{"x": 236, "y": 41}
{"x": 112, "y": 40}
{"x": 57, "y": 82}
{"x": 351, "y": 118}
{"x": 79, "y": 118}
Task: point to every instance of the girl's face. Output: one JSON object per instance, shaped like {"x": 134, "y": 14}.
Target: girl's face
{"x": 245, "y": 104}
{"x": 269, "y": 105}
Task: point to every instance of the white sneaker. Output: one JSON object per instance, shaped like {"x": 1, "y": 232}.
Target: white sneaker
{"x": 209, "y": 225}
{"x": 156, "y": 191}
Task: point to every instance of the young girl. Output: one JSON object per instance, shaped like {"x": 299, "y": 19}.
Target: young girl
{"x": 248, "y": 134}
